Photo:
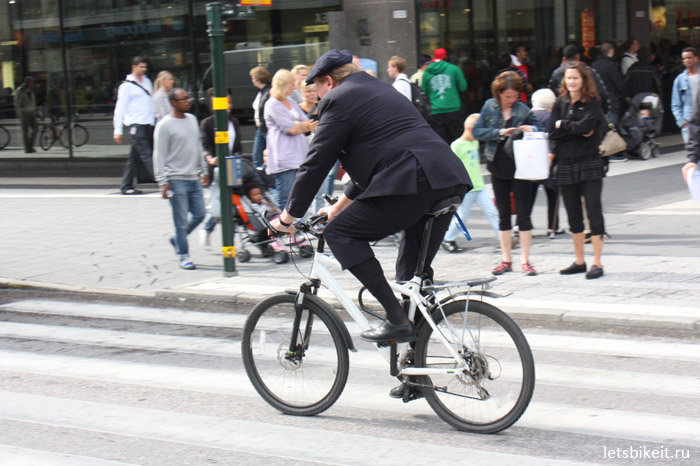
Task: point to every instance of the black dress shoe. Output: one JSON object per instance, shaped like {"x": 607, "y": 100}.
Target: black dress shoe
{"x": 595, "y": 272}
{"x": 389, "y": 332}
{"x": 406, "y": 391}
{"x": 573, "y": 268}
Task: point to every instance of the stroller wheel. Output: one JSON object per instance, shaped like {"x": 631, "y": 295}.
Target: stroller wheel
{"x": 243, "y": 256}
{"x": 306, "y": 251}
{"x": 267, "y": 250}
{"x": 655, "y": 151}
{"x": 280, "y": 257}
{"x": 645, "y": 151}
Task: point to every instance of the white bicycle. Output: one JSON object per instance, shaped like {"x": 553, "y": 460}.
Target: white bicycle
{"x": 469, "y": 360}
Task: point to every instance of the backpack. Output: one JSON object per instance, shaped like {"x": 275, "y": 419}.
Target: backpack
{"x": 420, "y": 100}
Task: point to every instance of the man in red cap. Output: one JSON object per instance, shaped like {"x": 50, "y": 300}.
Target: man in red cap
{"x": 442, "y": 83}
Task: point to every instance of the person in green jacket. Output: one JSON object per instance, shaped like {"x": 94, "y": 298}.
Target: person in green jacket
{"x": 442, "y": 83}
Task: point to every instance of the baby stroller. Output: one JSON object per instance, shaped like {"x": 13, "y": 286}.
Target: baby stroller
{"x": 250, "y": 227}
{"x": 640, "y": 123}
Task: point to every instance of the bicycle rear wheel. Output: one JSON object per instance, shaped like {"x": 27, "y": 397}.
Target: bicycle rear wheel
{"x": 46, "y": 139}
{"x": 80, "y": 136}
{"x": 295, "y": 358}
{"x": 4, "y": 137}
{"x": 497, "y": 386}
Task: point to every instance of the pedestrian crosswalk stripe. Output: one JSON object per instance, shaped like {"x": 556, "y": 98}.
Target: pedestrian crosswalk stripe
{"x": 202, "y": 345}
{"x": 540, "y": 414}
{"x": 262, "y": 438}
{"x": 16, "y": 456}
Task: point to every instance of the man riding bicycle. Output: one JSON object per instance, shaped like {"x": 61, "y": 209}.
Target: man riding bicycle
{"x": 399, "y": 168}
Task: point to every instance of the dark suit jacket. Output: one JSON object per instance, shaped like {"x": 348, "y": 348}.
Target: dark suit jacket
{"x": 380, "y": 139}
{"x": 208, "y": 139}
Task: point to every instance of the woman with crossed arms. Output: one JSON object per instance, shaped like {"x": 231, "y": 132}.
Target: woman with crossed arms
{"x": 576, "y": 127}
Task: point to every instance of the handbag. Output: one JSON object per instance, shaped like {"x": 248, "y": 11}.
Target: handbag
{"x": 612, "y": 142}
{"x": 531, "y": 156}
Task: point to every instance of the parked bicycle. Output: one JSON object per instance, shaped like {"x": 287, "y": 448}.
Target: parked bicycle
{"x": 469, "y": 359}
{"x": 57, "y": 130}
{"x": 4, "y": 137}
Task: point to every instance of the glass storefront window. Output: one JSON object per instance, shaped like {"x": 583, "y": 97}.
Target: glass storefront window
{"x": 676, "y": 21}
{"x": 80, "y": 69}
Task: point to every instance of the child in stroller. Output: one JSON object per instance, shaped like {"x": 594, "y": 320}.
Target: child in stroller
{"x": 640, "y": 123}
{"x": 254, "y": 209}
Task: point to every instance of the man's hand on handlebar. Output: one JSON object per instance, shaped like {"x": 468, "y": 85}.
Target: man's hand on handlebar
{"x": 276, "y": 224}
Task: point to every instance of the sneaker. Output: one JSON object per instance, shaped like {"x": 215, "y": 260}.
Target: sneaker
{"x": 595, "y": 272}
{"x": 186, "y": 263}
{"x": 573, "y": 268}
{"x": 450, "y": 246}
{"x": 528, "y": 269}
{"x": 130, "y": 191}
{"x": 502, "y": 268}
{"x": 205, "y": 239}
{"x": 618, "y": 158}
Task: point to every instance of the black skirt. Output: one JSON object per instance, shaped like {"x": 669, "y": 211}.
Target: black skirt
{"x": 575, "y": 172}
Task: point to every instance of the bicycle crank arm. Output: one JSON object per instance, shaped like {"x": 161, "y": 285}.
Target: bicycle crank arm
{"x": 484, "y": 394}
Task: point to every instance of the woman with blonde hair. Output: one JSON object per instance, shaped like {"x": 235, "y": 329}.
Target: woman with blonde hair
{"x": 287, "y": 125}
{"x": 300, "y": 72}
{"x": 161, "y": 103}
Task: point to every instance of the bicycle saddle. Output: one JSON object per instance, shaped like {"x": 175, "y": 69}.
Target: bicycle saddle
{"x": 444, "y": 206}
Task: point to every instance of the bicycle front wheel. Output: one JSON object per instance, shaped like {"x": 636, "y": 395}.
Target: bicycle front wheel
{"x": 296, "y": 359}
{"x": 46, "y": 139}
{"x": 495, "y": 389}
{"x": 4, "y": 137}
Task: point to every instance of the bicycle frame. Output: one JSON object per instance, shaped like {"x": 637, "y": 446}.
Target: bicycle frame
{"x": 321, "y": 270}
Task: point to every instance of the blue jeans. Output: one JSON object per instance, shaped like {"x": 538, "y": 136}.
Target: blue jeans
{"x": 283, "y": 183}
{"x": 330, "y": 180}
{"x": 259, "y": 143}
{"x": 188, "y": 211}
{"x": 685, "y": 132}
{"x": 483, "y": 200}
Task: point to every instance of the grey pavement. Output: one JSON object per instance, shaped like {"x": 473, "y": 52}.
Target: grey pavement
{"x": 82, "y": 235}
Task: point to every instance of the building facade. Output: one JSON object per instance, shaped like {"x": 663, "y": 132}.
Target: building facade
{"x": 79, "y": 50}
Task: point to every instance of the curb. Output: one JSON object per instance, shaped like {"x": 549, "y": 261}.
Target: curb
{"x": 541, "y": 315}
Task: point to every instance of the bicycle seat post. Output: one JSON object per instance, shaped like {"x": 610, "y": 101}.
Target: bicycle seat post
{"x": 442, "y": 207}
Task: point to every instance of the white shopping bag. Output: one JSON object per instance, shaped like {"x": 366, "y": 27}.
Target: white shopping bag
{"x": 531, "y": 156}
{"x": 693, "y": 180}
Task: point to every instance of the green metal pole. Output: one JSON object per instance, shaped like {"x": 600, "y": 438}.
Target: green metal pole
{"x": 216, "y": 40}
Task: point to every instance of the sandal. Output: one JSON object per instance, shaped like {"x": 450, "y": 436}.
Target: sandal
{"x": 502, "y": 268}
{"x": 528, "y": 269}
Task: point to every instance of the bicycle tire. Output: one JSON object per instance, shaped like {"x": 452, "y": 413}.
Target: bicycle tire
{"x": 280, "y": 375}
{"x": 45, "y": 139}
{"x": 4, "y": 137}
{"x": 80, "y": 136}
{"x": 508, "y": 357}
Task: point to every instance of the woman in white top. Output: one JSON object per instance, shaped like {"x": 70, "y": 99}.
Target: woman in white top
{"x": 161, "y": 103}
{"x": 286, "y": 124}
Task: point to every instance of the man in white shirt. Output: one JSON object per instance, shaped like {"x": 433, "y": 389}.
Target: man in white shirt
{"x": 134, "y": 109}
{"x": 395, "y": 69}
{"x": 180, "y": 171}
